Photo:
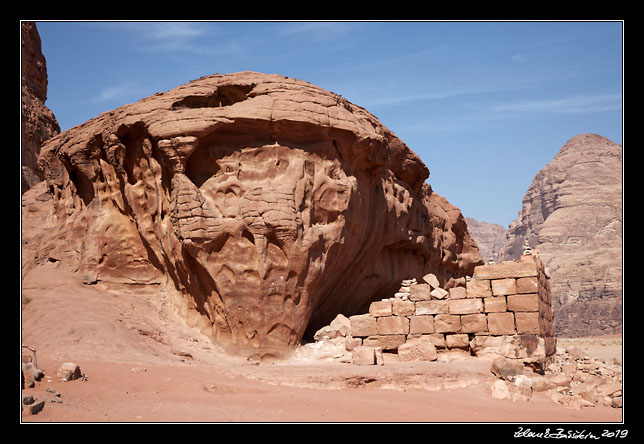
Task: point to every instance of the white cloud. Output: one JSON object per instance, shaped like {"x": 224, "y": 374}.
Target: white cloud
{"x": 519, "y": 58}
{"x": 576, "y": 104}
{"x": 321, "y": 31}
{"x": 115, "y": 92}
{"x": 165, "y": 35}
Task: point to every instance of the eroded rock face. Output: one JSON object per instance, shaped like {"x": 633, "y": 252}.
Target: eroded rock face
{"x": 489, "y": 237}
{"x": 572, "y": 214}
{"x": 38, "y": 122}
{"x": 266, "y": 204}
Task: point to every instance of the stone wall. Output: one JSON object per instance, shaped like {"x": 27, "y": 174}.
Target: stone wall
{"x": 504, "y": 309}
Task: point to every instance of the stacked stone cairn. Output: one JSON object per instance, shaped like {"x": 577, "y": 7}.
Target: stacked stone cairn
{"x": 503, "y": 310}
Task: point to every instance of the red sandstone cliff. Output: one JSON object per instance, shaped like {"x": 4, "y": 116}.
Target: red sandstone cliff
{"x": 38, "y": 122}
{"x": 489, "y": 237}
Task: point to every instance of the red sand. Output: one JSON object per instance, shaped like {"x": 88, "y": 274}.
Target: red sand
{"x": 142, "y": 364}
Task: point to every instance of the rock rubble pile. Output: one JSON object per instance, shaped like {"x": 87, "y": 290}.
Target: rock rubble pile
{"x": 573, "y": 379}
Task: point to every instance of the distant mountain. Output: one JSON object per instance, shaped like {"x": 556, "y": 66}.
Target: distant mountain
{"x": 489, "y": 237}
{"x": 572, "y": 214}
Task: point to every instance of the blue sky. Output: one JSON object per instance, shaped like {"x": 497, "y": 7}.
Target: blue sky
{"x": 486, "y": 105}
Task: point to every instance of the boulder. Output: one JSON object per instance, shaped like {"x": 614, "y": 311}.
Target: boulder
{"x": 262, "y": 205}
{"x": 69, "y": 372}
{"x": 363, "y": 355}
{"x": 339, "y": 327}
{"x": 506, "y": 368}
{"x": 522, "y": 388}
{"x": 31, "y": 373}
{"x": 500, "y": 389}
{"x": 33, "y": 408}
{"x": 417, "y": 350}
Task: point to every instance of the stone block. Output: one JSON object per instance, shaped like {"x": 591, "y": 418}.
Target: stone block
{"x": 392, "y": 325}
{"x": 438, "y": 339}
{"x": 380, "y": 308}
{"x": 421, "y": 324}
{"x": 478, "y": 288}
{"x": 502, "y": 287}
{"x": 461, "y": 341}
{"x": 523, "y": 302}
{"x": 363, "y": 325}
{"x": 447, "y": 323}
{"x": 403, "y": 308}
{"x": 420, "y": 292}
{"x": 505, "y": 270}
{"x": 495, "y": 304}
{"x": 527, "y": 322}
{"x": 417, "y": 350}
{"x": 465, "y": 306}
{"x": 385, "y": 342}
{"x": 438, "y": 293}
{"x": 431, "y": 307}
{"x": 432, "y": 280}
{"x": 501, "y": 323}
{"x": 362, "y": 355}
{"x": 527, "y": 285}
{"x": 457, "y": 293}
{"x": 474, "y": 323}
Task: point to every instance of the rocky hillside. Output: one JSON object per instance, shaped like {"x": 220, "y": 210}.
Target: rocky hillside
{"x": 572, "y": 214}
{"x": 261, "y": 205}
{"x": 38, "y": 122}
{"x": 490, "y": 238}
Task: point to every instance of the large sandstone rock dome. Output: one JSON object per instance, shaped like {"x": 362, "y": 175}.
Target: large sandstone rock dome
{"x": 263, "y": 205}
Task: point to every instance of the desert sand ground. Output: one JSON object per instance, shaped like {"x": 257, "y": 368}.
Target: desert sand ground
{"x": 143, "y": 364}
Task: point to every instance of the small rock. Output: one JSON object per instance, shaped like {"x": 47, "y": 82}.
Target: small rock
{"x": 506, "y": 368}
{"x": 500, "y": 390}
{"x": 69, "y": 372}
{"x": 52, "y": 391}
{"x": 577, "y": 354}
{"x": 380, "y": 359}
{"x": 439, "y": 293}
{"x": 523, "y": 388}
{"x": 34, "y": 408}
{"x": 616, "y": 402}
{"x": 339, "y": 327}
{"x": 352, "y": 343}
{"x": 417, "y": 350}
{"x": 568, "y": 401}
{"x": 432, "y": 280}
{"x": 363, "y": 355}
{"x": 28, "y": 399}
